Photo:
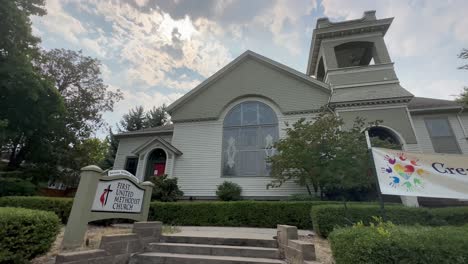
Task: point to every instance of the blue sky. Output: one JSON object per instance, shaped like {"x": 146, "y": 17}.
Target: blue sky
{"x": 155, "y": 51}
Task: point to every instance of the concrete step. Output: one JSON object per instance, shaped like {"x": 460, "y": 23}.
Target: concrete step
{"x": 168, "y": 258}
{"x": 215, "y": 250}
{"x": 247, "y": 242}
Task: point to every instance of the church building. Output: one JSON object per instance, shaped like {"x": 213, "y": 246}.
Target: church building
{"x": 223, "y": 129}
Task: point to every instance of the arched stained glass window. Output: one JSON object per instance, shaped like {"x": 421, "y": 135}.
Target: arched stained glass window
{"x": 249, "y": 131}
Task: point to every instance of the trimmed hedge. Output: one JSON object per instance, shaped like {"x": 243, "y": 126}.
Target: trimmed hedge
{"x": 60, "y": 206}
{"x": 398, "y": 244}
{"x": 455, "y": 216}
{"x": 241, "y": 213}
{"x": 327, "y": 217}
{"x": 26, "y": 233}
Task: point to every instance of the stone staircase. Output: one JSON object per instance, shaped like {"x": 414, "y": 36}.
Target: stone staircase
{"x": 209, "y": 250}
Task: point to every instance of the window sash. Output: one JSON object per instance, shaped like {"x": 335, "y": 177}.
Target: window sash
{"x": 442, "y": 141}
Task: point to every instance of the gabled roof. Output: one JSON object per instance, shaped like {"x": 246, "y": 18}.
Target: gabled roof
{"x": 163, "y": 142}
{"x": 425, "y": 104}
{"x": 165, "y": 129}
{"x": 247, "y": 55}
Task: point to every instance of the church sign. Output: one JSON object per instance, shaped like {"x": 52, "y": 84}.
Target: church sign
{"x": 118, "y": 196}
{"x": 101, "y": 195}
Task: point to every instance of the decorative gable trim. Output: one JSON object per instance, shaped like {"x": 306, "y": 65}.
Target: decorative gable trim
{"x": 163, "y": 142}
{"x": 372, "y": 102}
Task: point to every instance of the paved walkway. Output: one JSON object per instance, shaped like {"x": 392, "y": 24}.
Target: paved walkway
{"x": 235, "y": 232}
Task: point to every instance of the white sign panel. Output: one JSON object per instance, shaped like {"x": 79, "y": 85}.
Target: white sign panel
{"x": 426, "y": 175}
{"x": 118, "y": 196}
{"x": 121, "y": 172}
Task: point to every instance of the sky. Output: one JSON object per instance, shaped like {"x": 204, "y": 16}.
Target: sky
{"x": 156, "y": 51}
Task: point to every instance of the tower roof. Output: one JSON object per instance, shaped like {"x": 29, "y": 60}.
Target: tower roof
{"x": 326, "y": 30}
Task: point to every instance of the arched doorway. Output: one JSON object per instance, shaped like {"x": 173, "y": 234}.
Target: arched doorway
{"x": 156, "y": 165}
{"x": 386, "y": 135}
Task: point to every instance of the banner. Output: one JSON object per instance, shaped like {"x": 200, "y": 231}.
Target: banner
{"x": 426, "y": 175}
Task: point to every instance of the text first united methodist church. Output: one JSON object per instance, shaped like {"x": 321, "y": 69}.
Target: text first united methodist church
{"x": 224, "y": 128}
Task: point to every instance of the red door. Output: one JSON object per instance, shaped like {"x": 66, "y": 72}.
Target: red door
{"x": 158, "y": 169}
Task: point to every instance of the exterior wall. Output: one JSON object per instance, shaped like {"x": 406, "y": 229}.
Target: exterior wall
{"x": 395, "y": 117}
{"x": 127, "y": 145}
{"x": 199, "y": 169}
{"x": 252, "y": 78}
{"x": 425, "y": 142}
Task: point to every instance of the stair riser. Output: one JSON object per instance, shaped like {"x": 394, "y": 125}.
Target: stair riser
{"x": 235, "y": 252}
{"x": 222, "y": 241}
{"x": 180, "y": 260}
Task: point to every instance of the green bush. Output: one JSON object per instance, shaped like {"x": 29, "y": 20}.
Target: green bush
{"x": 60, "y": 206}
{"x": 237, "y": 213}
{"x": 26, "y": 233}
{"x": 303, "y": 197}
{"x": 16, "y": 186}
{"x": 165, "y": 189}
{"x": 327, "y": 217}
{"x": 455, "y": 216}
{"x": 229, "y": 191}
{"x": 400, "y": 244}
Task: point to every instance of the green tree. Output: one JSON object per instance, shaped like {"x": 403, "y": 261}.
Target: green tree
{"x": 91, "y": 151}
{"x": 463, "y": 97}
{"x": 321, "y": 156}
{"x": 157, "y": 116}
{"x": 78, "y": 79}
{"x": 33, "y": 111}
{"x": 133, "y": 120}
{"x": 113, "y": 144}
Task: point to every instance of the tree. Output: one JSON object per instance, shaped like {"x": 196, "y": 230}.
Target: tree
{"x": 91, "y": 151}
{"x": 16, "y": 39}
{"x": 320, "y": 155}
{"x": 33, "y": 111}
{"x": 78, "y": 79}
{"x": 463, "y": 97}
{"x": 157, "y": 116}
{"x": 133, "y": 120}
{"x": 113, "y": 144}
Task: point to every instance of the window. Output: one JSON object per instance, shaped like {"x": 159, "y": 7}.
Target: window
{"x": 250, "y": 129}
{"x": 442, "y": 137}
{"x": 131, "y": 165}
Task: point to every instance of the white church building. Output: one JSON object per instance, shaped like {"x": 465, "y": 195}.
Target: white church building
{"x": 222, "y": 129}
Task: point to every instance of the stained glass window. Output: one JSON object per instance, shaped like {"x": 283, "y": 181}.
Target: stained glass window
{"x": 250, "y": 129}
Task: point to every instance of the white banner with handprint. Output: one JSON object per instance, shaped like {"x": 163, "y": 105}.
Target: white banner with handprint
{"x": 427, "y": 175}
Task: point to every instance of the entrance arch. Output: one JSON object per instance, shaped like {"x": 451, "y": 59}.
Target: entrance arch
{"x": 156, "y": 164}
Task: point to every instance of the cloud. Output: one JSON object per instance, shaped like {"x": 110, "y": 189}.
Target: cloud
{"x": 154, "y": 44}
{"x": 282, "y": 20}
{"x": 60, "y": 22}
{"x": 419, "y": 26}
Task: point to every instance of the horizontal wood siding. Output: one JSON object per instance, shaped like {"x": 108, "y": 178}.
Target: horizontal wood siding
{"x": 199, "y": 169}
{"x": 424, "y": 139}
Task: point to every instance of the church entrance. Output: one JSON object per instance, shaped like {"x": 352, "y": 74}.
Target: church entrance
{"x": 156, "y": 165}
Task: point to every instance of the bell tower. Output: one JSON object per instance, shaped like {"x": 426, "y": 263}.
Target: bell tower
{"x": 351, "y": 52}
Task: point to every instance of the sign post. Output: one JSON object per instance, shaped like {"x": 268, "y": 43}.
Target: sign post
{"x": 374, "y": 172}
{"x": 99, "y": 196}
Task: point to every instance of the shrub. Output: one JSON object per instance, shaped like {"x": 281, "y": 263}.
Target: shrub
{"x": 229, "y": 191}
{"x": 26, "y": 233}
{"x": 16, "y": 186}
{"x": 327, "y": 217}
{"x": 303, "y": 197}
{"x": 165, "y": 189}
{"x": 455, "y": 216}
{"x": 60, "y": 206}
{"x": 400, "y": 244}
{"x": 234, "y": 213}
